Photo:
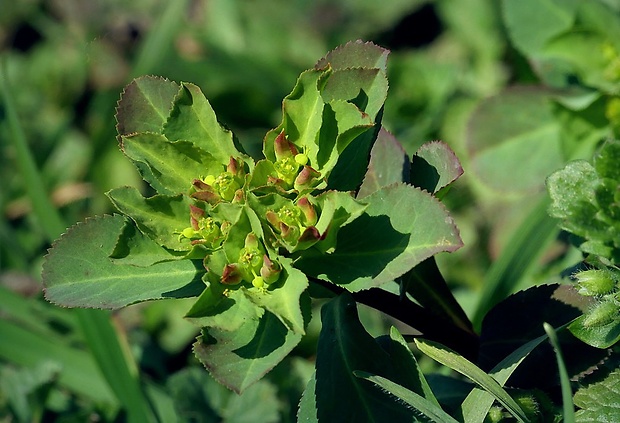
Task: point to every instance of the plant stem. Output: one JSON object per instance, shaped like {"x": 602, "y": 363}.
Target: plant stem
{"x": 433, "y": 327}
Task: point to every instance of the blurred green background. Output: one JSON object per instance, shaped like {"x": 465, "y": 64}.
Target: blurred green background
{"x": 457, "y": 72}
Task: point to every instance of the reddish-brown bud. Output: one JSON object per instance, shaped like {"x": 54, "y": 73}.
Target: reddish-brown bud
{"x": 308, "y": 210}
{"x": 231, "y": 274}
{"x": 306, "y": 177}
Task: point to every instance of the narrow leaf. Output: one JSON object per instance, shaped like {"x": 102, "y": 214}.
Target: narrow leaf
{"x": 307, "y": 405}
{"x": 421, "y": 404}
{"x": 478, "y": 403}
{"x": 456, "y": 362}
{"x": 78, "y": 272}
{"x": 567, "y": 393}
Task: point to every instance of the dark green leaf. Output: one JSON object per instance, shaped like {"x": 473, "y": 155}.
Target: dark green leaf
{"x": 401, "y": 227}
{"x": 79, "y": 273}
{"x": 338, "y": 392}
{"x": 600, "y": 336}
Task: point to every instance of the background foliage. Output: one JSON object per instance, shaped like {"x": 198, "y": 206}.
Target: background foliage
{"x": 516, "y": 98}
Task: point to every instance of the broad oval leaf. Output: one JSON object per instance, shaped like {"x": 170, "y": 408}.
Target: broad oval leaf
{"x": 239, "y": 358}
{"x": 401, "y": 227}
{"x": 78, "y": 272}
{"x": 144, "y": 105}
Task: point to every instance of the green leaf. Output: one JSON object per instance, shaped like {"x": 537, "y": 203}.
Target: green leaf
{"x": 461, "y": 365}
{"x": 239, "y": 358}
{"x": 407, "y": 371}
{"x": 514, "y": 141}
{"x": 365, "y": 88}
{"x": 161, "y": 217}
{"x": 355, "y": 54}
{"x": 172, "y": 166}
{"x": 529, "y": 31}
{"x": 193, "y": 119}
{"x": 568, "y": 409}
{"x": 302, "y": 116}
{"x": 337, "y": 210}
{"x": 427, "y": 408}
{"x": 509, "y": 325}
{"x": 136, "y": 249}
{"x": 478, "y": 403}
{"x": 388, "y": 164}
{"x": 145, "y": 105}
{"x": 78, "y": 272}
{"x": 434, "y": 167}
{"x": 307, "y": 412}
{"x": 572, "y": 190}
{"x": 195, "y": 393}
{"x": 598, "y": 401}
{"x": 600, "y": 336}
{"x": 283, "y": 297}
{"x": 338, "y": 392}
{"x": 606, "y": 161}
{"x": 401, "y": 227}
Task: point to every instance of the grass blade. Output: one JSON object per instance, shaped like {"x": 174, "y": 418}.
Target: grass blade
{"x": 460, "y": 364}
{"x": 567, "y": 393}
{"x": 527, "y": 243}
{"x": 424, "y": 406}
{"x": 100, "y": 334}
{"x": 478, "y": 403}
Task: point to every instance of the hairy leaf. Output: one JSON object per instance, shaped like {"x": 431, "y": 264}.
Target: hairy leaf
{"x": 456, "y": 362}
{"x": 598, "y": 401}
{"x": 430, "y": 410}
{"x": 79, "y": 273}
{"x": 401, "y": 227}
{"x": 145, "y": 105}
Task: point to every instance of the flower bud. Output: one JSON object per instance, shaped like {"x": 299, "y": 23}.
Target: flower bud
{"x": 307, "y": 178}
{"x": 601, "y": 314}
{"x": 231, "y": 274}
{"x": 594, "y": 282}
{"x": 283, "y": 148}
{"x": 270, "y": 271}
{"x": 308, "y": 210}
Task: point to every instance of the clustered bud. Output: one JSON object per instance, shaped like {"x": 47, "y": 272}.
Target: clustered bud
{"x": 294, "y": 223}
{"x": 253, "y": 265}
{"x": 224, "y": 187}
{"x": 594, "y": 282}
{"x": 291, "y": 167}
{"x": 204, "y": 230}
